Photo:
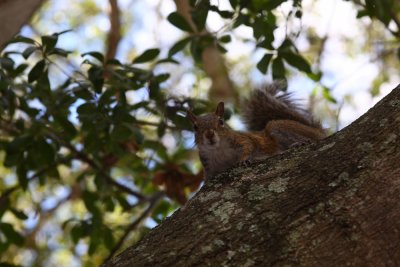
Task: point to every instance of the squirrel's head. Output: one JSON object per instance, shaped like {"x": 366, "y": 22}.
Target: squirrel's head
{"x": 208, "y": 128}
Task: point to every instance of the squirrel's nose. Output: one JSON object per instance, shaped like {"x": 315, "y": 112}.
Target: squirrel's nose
{"x": 209, "y": 134}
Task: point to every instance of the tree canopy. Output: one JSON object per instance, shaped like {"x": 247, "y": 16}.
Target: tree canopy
{"x": 96, "y": 149}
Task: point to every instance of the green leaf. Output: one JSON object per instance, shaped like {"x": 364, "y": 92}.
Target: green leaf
{"x": 167, "y": 60}
{"x": 161, "y": 211}
{"x": 36, "y": 71}
{"x": 121, "y": 133}
{"x": 19, "y": 214}
{"x": 77, "y": 233}
{"x": 113, "y": 61}
{"x": 199, "y": 16}
{"x": 178, "y": 46}
{"x": 147, "y": 55}
{"x": 259, "y": 27}
{"x": 82, "y": 91}
{"x": 11, "y": 235}
{"x": 380, "y": 9}
{"x": 22, "y": 176}
{"x": 233, "y": 3}
{"x": 153, "y": 145}
{"x": 326, "y": 93}
{"x": 7, "y": 63}
{"x": 15, "y": 150}
{"x": 86, "y": 108}
{"x": 296, "y": 61}
{"x": 49, "y": 42}
{"x": 21, "y": 39}
{"x": 89, "y": 199}
{"x": 264, "y": 62}
{"x": 123, "y": 202}
{"x": 44, "y": 153}
{"x": 225, "y": 14}
{"x": 287, "y": 46}
{"x": 196, "y": 49}
{"x": 94, "y": 242}
{"x": 97, "y": 55}
{"x": 29, "y": 51}
{"x": 95, "y": 75}
{"x": 162, "y": 77}
{"x": 315, "y": 76}
{"x": 60, "y": 52}
{"x": 20, "y": 69}
{"x": 298, "y": 14}
{"x": 278, "y": 70}
{"x": 109, "y": 240}
{"x": 179, "y": 21}
{"x": 225, "y": 39}
{"x": 268, "y": 4}
{"x": 43, "y": 83}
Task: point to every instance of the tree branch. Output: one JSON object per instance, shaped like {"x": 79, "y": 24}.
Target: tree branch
{"x": 85, "y": 158}
{"x": 222, "y": 88}
{"x": 325, "y": 204}
{"x": 114, "y": 35}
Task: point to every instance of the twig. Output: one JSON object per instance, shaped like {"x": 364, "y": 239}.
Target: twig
{"x": 155, "y": 124}
{"x": 152, "y": 202}
{"x": 83, "y": 157}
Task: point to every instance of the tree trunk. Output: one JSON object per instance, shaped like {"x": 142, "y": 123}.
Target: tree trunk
{"x": 14, "y": 14}
{"x": 332, "y": 203}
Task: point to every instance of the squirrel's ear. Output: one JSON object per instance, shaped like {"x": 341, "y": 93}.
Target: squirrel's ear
{"x": 220, "y": 109}
{"x": 191, "y": 116}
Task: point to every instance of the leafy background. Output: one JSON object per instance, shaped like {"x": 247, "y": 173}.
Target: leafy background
{"x": 94, "y": 145}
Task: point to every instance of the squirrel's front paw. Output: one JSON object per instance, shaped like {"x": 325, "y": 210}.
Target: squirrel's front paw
{"x": 300, "y": 143}
{"x": 245, "y": 163}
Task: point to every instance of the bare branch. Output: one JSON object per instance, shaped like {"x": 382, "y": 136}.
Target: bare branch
{"x": 114, "y": 35}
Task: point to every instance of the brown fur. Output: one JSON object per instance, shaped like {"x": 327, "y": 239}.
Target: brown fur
{"x": 283, "y": 125}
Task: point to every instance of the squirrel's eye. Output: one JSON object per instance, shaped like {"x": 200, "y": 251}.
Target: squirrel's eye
{"x": 195, "y": 127}
{"x": 221, "y": 122}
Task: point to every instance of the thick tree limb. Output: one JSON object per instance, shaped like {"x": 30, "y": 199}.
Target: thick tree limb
{"x": 332, "y": 203}
{"x": 13, "y": 14}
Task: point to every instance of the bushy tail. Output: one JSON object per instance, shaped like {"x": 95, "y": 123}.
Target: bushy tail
{"x": 271, "y": 103}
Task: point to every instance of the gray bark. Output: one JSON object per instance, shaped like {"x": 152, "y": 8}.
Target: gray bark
{"x": 14, "y": 14}
{"x": 332, "y": 203}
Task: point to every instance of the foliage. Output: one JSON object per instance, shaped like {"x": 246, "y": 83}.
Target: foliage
{"x": 99, "y": 134}
{"x": 87, "y": 125}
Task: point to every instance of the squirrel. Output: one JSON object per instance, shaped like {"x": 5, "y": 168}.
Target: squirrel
{"x": 274, "y": 123}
